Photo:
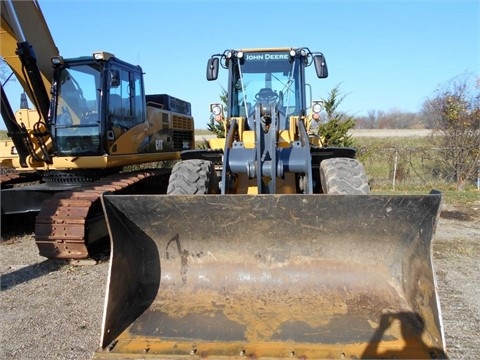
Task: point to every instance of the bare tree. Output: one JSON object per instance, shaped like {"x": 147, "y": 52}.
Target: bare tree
{"x": 367, "y": 122}
{"x": 454, "y": 111}
{"x": 3, "y": 68}
{"x": 5, "y": 72}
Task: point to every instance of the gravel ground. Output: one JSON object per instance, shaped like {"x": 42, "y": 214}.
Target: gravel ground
{"x": 53, "y": 310}
{"x": 49, "y": 309}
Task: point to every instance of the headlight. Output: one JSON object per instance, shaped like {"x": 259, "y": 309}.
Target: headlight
{"x": 57, "y": 60}
{"x": 317, "y": 107}
{"x": 102, "y": 55}
{"x": 216, "y": 109}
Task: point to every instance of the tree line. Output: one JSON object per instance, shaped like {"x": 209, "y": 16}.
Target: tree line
{"x": 452, "y": 113}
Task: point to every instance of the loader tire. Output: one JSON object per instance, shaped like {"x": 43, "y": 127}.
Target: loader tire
{"x": 191, "y": 177}
{"x": 343, "y": 176}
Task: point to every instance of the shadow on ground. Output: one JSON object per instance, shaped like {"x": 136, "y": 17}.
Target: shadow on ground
{"x": 29, "y": 272}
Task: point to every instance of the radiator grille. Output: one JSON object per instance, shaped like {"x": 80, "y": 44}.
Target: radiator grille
{"x": 183, "y": 139}
{"x": 182, "y": 123}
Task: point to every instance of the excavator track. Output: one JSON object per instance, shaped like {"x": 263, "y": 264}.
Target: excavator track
{"x": 8, "y": 178}
{"x": 13, "y": 178}
{"x": 71, "y": 225}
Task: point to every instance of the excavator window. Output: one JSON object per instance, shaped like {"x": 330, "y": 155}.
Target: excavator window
{"x": 126, "y": 105}
{"x": 115, "y": 104}
{"x": 76, "y": 123}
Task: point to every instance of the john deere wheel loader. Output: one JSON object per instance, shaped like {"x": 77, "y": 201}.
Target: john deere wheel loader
{"x": 91, "y": 124}
{"x": 268, "y": 245}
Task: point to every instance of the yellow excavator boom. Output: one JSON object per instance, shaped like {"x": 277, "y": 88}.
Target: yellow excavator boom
{"x": 38, "y": 35}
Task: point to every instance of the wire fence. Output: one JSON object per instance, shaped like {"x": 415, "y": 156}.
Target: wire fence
{"x": 397, "y": 168}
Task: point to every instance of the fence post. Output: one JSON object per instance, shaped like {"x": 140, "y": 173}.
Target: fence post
{"x": 395, "y": 164}
{"x": 478, "y": 175}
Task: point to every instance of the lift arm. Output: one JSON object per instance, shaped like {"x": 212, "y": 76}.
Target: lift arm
{"x": 23, "y": 29}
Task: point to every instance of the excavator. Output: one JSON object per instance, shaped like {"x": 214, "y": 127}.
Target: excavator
{"x": 268, "y": 244}
{"x": 92, "y": 130}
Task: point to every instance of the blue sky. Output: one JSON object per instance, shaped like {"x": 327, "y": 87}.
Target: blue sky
{"x": 386, "y": 55}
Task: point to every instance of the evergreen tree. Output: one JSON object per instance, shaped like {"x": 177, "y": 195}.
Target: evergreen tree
{"x": 334, "y": 132}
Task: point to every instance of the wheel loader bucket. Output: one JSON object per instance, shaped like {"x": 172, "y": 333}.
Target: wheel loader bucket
{"x": 272, "y": 276}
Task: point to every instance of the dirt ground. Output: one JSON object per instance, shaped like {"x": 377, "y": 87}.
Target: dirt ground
{"x": 456, "y": 252}
{"x": 53, "y": 310}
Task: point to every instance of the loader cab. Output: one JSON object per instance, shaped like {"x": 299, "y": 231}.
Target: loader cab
{"x": 95, "y": 100}
{"x": 267, "y": 76}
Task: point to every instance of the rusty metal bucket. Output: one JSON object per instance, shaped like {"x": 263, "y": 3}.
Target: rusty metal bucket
{"x": 272, "y": 276}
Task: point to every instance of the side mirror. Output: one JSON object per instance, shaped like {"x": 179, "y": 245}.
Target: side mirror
{"x": 114, "y": 78}
{"x": 212, "y": 69}
{"x": 320, "y": 66}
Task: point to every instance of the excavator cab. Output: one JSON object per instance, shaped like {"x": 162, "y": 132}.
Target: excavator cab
{"x": 93, "y": 97}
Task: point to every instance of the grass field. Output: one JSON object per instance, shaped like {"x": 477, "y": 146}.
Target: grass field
{"x": 396, "y": 160}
